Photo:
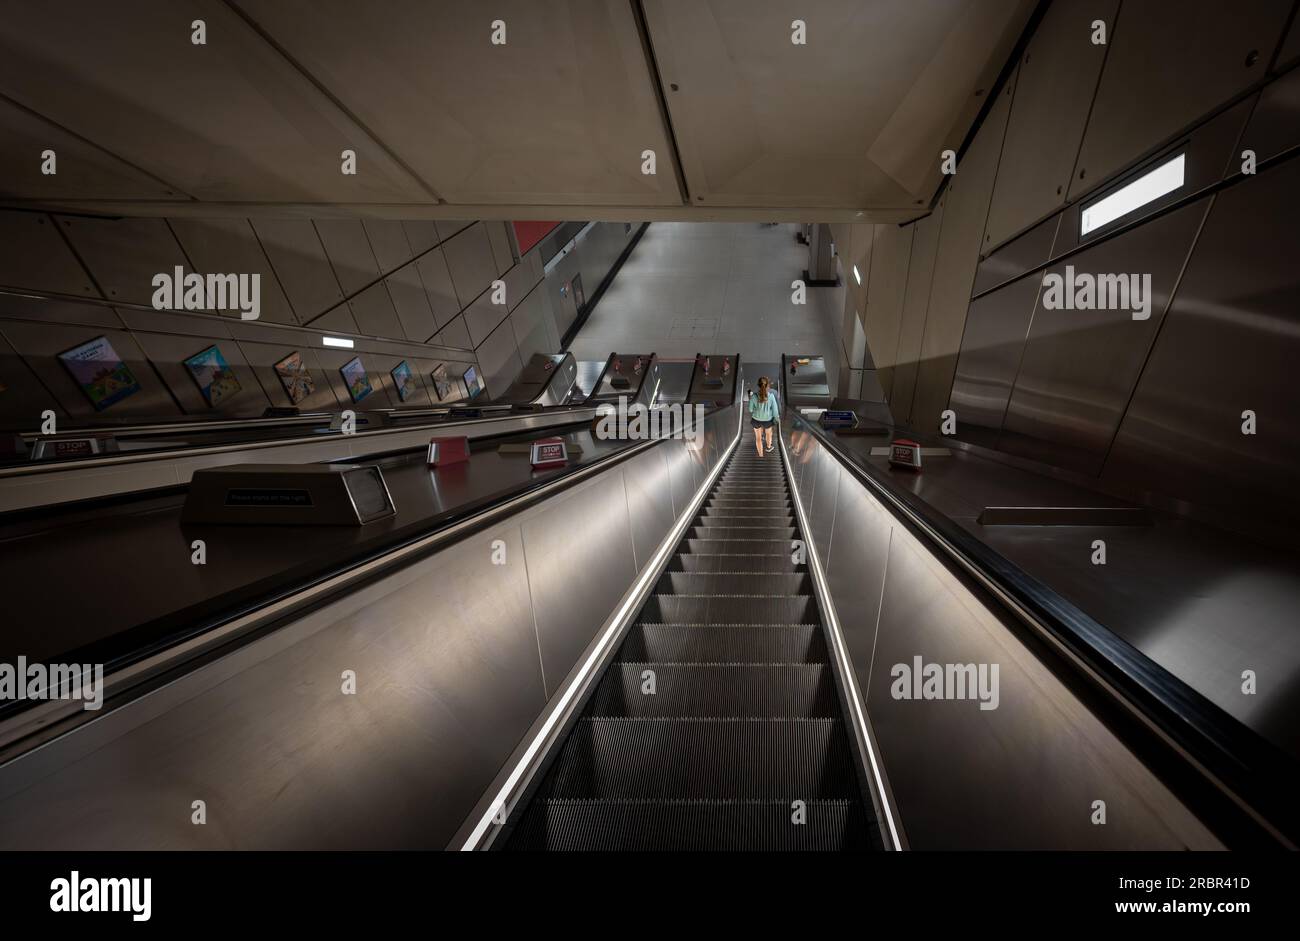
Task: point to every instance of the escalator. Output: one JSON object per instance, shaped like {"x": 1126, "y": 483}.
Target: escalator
{"x": 744, "y": 720}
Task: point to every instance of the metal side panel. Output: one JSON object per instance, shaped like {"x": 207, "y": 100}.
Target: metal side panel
{"x": 1080, "y": 366}
{"x": 649, "y": 502}
{"x": 855, "y": 572}
{"x": 1023, "y": 775}
{"x": 821, "y": 510}
{"x": 447, "y": 682}
{"x": 991, "y": 350}
{"x": 585, "y": 530}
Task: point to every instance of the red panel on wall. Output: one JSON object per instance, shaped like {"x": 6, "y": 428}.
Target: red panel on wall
{"x": 528, "y": 234}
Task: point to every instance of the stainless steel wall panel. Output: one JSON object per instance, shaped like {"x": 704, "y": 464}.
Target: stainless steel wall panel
{"x": 498, "y": 358}
{"x": 124, "y": 254}
{"x": 483, "y": 317}
{"x": 650, "y": 502}
{"x": 855, "y": 570}
{"x": 1229, "y": 343}
{"x": 952, "y": 766}
{"x": 421, "y": 234}
{"x": 965, "y": 212}
{"x": 528, "y": 321}
{"x": 1058, "y": 76}
{"x": 168, "y": 354}
{"x": 33, "y": 255}
{"x": 455, "y": 335}
{"x": 916, "y": 303}
{"x": 388, "y": 242}
{"x": 1274, "y": 126}
{"x": 262, "y": 358}
{"x": 499, "y": 239}
{"x": 438, "y": 289}
{"x": 996, "y": 327}
{"x": 470, "y": 261}
{"x": 299, "y": 259}
{"x": 1170, "y": 63}
{"x": 583, "y": 530}
{"x": 1080, "y": 366}
{"x": 374, "y": 313}
{"x": 886, "y": 284}
{"x": 821, "y": 510}
{"x": 349, "y": 252}
{"x": 680, "y": 476}
{"x": 407, "y": 293}
{"x": 1018, "y": 256}
{"x": 447, "y": 675}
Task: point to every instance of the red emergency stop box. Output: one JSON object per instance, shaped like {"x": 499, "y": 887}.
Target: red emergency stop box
{"x": 450, "y": 450}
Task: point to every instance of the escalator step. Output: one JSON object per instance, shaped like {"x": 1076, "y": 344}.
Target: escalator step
{"x": 694, "y": 826}
{"x": 676, "y": 609}
{"x": 728, "y": 516}
{"x": 777, "y": 562}
{"x": 712, "y": 691}
{"x": 717, "y": 583}
{"x": 713, "y": 758}
{"x": 741, "y": 532}
{"x": 731, "y": 643}
{"x": 737, "y": 546}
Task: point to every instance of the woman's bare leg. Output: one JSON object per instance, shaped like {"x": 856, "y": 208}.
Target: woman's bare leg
{"x": 758, "y": 440}
{"x": 769, "y": 437}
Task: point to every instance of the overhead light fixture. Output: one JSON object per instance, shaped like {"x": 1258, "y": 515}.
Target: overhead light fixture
{"x": 340, "y": 342}
{"x": 1149, "y": 186}
{"x": 856, "y": 277}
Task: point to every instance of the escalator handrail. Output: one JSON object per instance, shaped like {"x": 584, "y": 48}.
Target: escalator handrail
{"x": 1257, "y": 778}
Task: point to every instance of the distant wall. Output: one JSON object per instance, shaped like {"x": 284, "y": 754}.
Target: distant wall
{"x": 951, "y": 307}
{"x": 413, "y": 290}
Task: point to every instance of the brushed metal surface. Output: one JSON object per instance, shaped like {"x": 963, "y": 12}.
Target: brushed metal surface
{"x": 997, "y": 325}
{"x": 585, "y": 530}
{"x": 1020, "y": 255}
{"x": 1059, "y": 72}
{"x": 1021, "y": 776}
{"x": 856, "y": 571}
{"x": 649, "y": 502}
{"x": 1080, "y": 366}
{"x": 447, "y": 678}
{"x": 1274, "y": 126}
{"x": 821, "y": 509}
{"x": 1170, "y": 63}
{"x": 1229, "y": 343}
{"x": 916, "y": 302}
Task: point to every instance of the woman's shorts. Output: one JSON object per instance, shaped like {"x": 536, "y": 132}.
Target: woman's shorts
{"x": 755, "y": 423}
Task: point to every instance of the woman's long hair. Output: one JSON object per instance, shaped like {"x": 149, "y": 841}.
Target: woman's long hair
{"x": 762, "y": 388}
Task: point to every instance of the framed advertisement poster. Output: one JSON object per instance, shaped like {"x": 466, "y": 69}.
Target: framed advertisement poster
{"x": 473, "y": 382}
{"x": 441, "y": 382}
{"x": 294, "y": 376}
{"x": 403, "y": 380}
{"x": 216, "y": 380}
{"x": 354, "y": 374}
{"x": 100, "y": 372}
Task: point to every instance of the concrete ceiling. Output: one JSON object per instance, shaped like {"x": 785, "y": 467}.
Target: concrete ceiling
{"x": 554, "y": 123}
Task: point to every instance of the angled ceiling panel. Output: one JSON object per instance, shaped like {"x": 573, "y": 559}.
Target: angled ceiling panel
{"x": 558, "y": 114}
{"x": 856, "y": 117}
{"x": 229, "y": 120}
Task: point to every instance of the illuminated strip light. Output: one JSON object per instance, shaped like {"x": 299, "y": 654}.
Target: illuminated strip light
{"x": 338, "y": 342}
{"x": 631, "y": 604}
{"x": 856, "y": 277}
{"x": 1149, "y": 186}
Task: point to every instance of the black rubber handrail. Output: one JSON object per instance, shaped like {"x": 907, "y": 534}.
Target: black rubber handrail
{"x": 1251, "y": 782}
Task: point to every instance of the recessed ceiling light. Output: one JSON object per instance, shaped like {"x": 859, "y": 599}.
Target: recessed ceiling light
{"x": 1149, "y": 186}
{"x": 339, "y": 342}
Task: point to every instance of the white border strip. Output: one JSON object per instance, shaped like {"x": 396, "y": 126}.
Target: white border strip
{"x": 861, "y": 727}
{"x": 631, "y": 605}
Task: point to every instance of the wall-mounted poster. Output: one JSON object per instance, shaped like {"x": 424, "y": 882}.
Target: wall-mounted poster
{"x": 100, "y": 372}
{"x": 217, "y": 381}
{"x": 473, "y": 384}
{"x": 354, "y": 374}
{"x": 403, "y": 380}
{"x": 441, "y": 382}
{"x": 297, "y": 381}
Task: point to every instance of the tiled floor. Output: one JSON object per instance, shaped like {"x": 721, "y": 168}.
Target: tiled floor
{"x": 706, "y": 287}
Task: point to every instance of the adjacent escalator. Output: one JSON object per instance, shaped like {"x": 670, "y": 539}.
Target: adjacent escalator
{"x": 719, "y": 725}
